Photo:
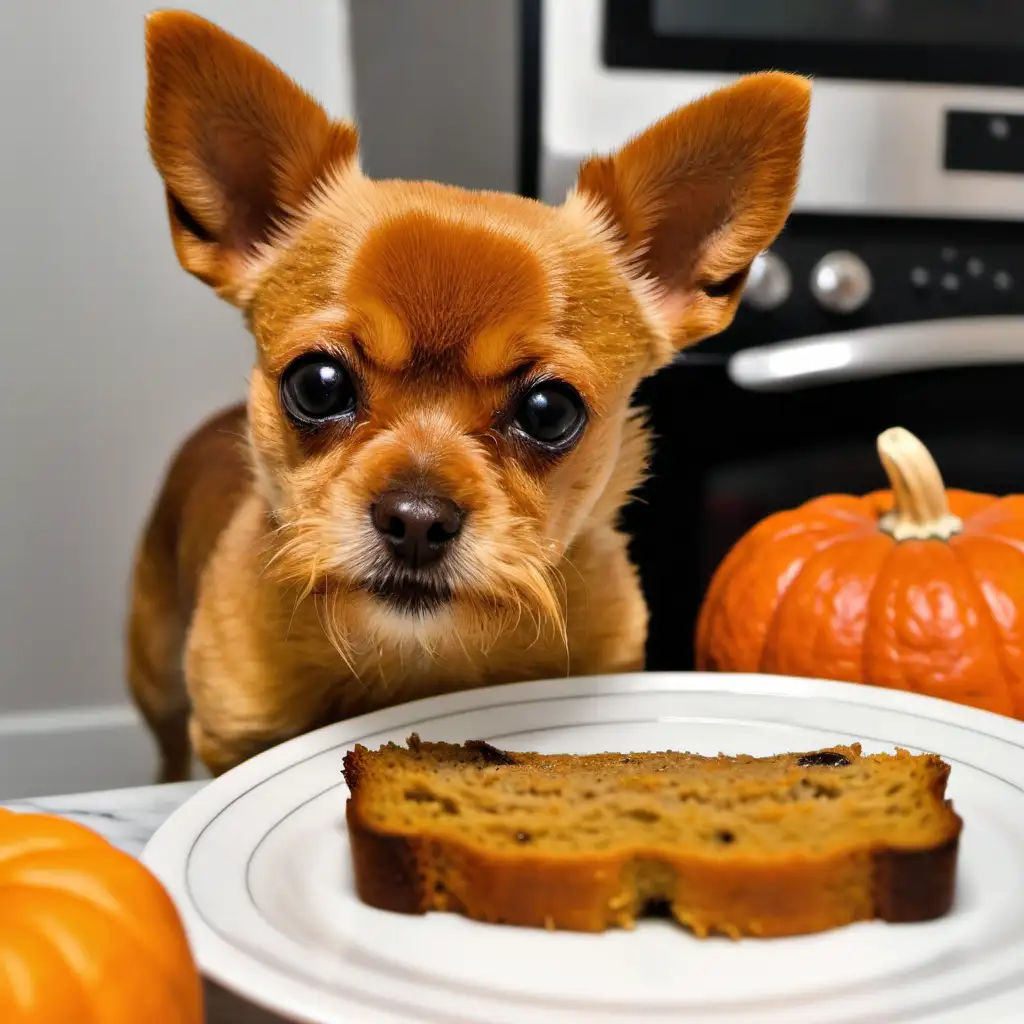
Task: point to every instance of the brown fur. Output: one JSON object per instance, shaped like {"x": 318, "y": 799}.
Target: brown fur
{"x": 249, "y": 615}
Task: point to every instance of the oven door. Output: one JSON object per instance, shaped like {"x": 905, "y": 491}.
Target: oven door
{"x": 740, "y": 437}
{"x": 951, "y": 41}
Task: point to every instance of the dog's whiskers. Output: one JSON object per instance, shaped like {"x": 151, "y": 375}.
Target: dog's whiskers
{"x": 326, "y": 612}
{"x": 512, "y": 580}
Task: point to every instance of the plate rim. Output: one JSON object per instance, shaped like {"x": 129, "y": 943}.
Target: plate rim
{"x": 225, "y": 963}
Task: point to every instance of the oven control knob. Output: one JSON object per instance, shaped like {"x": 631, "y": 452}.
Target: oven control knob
{"x": 768, "y": 283}
{"x": 841, "y": 282}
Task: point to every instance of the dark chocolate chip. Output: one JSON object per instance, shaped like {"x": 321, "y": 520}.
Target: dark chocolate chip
{"x": 420, "y": 796}
{"x": 424, "y": 796}
{"x": 643, "y": 814}
{"x": 492, "y": 755}
{"x": 824, "y": 792}
{"x": 823, "y": 759}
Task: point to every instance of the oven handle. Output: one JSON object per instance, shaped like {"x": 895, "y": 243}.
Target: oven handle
{"x": 879, "y": 352}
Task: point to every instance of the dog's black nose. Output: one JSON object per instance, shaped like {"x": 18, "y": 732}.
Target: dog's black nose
{"x": 418, "y": 528}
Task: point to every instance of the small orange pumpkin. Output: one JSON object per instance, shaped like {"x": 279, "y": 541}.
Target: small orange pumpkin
{"x": 917, "y": 588}
{"x": 86, "y": 932}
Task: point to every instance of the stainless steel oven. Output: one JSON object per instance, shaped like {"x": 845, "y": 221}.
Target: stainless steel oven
{"x": 895, "y": 296}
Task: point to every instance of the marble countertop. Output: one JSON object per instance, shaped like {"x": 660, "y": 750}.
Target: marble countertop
{"x": 127, "y": 817}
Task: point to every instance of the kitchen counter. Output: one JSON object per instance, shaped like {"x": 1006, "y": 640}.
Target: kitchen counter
{"x": 127, "y": 818}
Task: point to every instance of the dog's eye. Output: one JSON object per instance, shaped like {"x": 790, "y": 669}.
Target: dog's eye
{"x": 315, "y": 389}
{"x": 552, "y": 413}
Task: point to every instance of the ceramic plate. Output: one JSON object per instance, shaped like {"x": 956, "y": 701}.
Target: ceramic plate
{"x": 258, "y": 864}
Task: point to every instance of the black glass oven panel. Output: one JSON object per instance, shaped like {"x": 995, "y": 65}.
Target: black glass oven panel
{"x": 988, "y": 23}
{"x": 950, "y": 41}
{"x": 922, "y": 269}
{"x": 725, "y": 458}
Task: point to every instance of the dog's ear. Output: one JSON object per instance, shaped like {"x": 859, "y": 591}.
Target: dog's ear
{"x": 238, "y": 144}
{"x": 692, "y": 200}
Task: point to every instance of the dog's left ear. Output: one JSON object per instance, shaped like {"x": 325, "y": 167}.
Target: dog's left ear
{"x": 239, "y": 145}
{"x": 697, "y": 196}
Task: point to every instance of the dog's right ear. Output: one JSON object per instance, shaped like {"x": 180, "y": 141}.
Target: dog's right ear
{"x": 239, "y": 145}
{"x": 690, "y": 202}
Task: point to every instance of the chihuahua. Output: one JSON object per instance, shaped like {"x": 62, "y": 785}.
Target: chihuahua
{"x": 422, "y": 492}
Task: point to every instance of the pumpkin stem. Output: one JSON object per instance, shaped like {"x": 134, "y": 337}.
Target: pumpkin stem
{"x": 920, "y": 507}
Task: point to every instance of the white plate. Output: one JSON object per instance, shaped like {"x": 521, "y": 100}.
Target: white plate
{"x": 258, "y": 864}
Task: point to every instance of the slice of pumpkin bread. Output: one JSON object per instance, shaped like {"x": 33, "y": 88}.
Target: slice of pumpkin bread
{"x": 764, "y": 846}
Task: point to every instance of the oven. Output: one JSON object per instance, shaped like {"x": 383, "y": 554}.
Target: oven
{"x": 895, "y": 295}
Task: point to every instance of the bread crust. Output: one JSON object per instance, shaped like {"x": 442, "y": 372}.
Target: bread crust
{"x": 594, "y": 891}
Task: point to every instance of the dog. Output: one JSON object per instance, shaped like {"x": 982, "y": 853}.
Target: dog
{"x": 422, "y": 492}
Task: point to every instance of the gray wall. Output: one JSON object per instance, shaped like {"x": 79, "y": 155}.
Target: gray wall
{"x": 436, "y": 86}
{"x": 109, "y": 355}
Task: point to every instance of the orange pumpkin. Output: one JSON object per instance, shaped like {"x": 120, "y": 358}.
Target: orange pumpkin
{"x": 916, "y": 588}
{"x": 86, "y": 932}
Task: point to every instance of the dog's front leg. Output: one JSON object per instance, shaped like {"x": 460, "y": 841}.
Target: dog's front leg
{"x": 219, "y": 753}
{"x": 247, "y": 694}
{"x": 244, "y": 704}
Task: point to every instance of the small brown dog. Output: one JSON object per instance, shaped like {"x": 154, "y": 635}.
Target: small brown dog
{"x": 423, "y": 491}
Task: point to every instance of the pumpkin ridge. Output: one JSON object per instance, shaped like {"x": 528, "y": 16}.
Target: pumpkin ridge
{"x": 828, "y": 517}
{"x": 814, "y": 536}
{"x": 149, "y": 936}
{"x": 866, "y": 521}
{"x": 113, "y": 910}
{"x": 996, "y": 635}
{"x": 869, "y": 631}
{"x": 22, "y": 830}
{"x": 997, "y": 511}
{"x": 9, "y": 864}
{"x": 159, "y": 970}
{"x": 838, "y": 542}
{"x": 928, "y": 636}
{"x": 1010, "y": 542}
{"x": 1017, "y": 548}
{"x": 743, "y": 550}
{"x": 842, "y": 538}
{"x": 44, "y": 936}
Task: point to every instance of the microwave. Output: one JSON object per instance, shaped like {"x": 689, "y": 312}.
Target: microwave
{"x": 894, "y": 296}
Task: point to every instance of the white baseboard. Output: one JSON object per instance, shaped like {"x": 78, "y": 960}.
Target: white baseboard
{"x": 74, "y": 750}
